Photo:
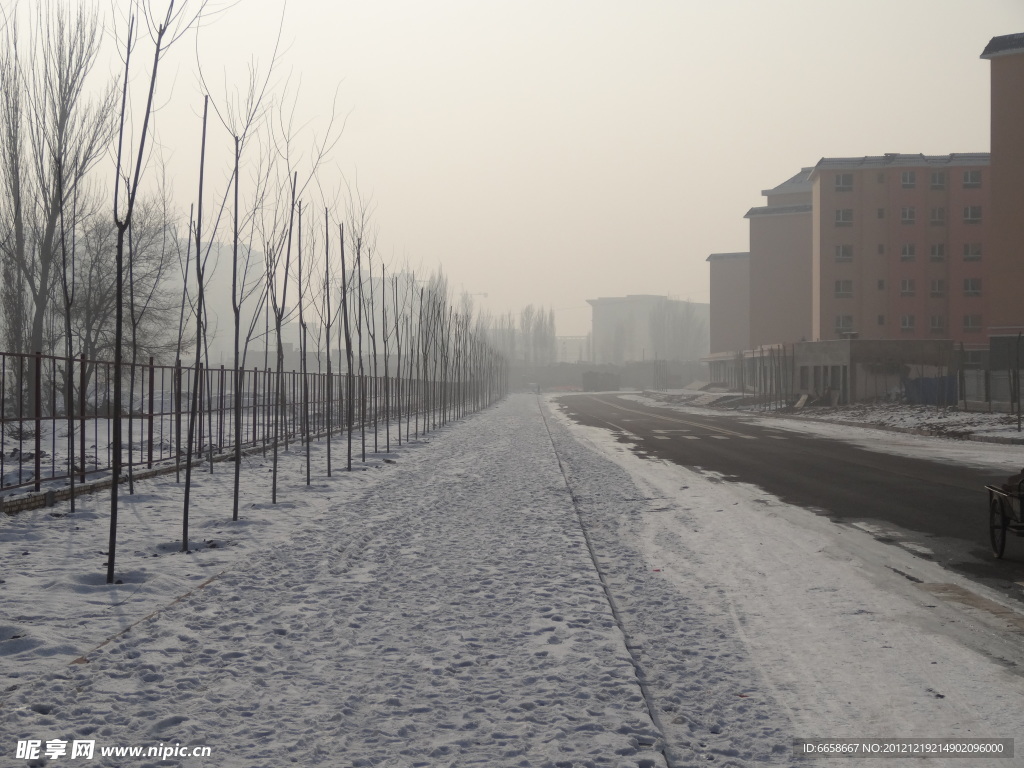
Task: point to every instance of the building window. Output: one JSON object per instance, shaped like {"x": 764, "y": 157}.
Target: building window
{"x": 881, "y": 285}
{"x": 972, "y": 286}
{"x": 972, "y": 322}
{"x": 938, "y": 179}
{"x": 972, "y": 214}
{"x": 844, "y": 253}
{"x": 938, "y": 252}
{"x": 844, "y": 323}
{"x": 881, "y": 213}
{"x": 881, "y": 319}
{"x": 906, "y": 287}
{"x": 972, "y": 251}
{"x": 937, "y": 216}
{"x": 906, "y": 322}
{"x": 844, "y": 217}
{"x": 908, "y": 215}
{"x": 844, "y": 182}
{"x": 937, "y": 324}
{"x": 844, "y": 289}
{"x": 908, "y": 252}
{"x": 908, "y": 179}
{"x": 881, "y": 249}
{"x": 972, "y": 179}
{"x": 938, "y": 289}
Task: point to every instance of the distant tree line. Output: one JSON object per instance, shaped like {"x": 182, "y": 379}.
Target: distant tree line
{"x": 526, "y": 340}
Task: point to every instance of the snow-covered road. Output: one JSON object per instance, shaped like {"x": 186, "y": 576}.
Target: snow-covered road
{"x": 443, "y": 608}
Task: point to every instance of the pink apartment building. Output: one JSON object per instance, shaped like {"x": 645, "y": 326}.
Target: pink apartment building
{"x": 918, "y": 247}
{"x": 887, "y": 248}
{"x": 900, "y": 247}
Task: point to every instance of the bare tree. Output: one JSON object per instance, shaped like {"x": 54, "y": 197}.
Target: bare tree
{"x": 277, "y": 250}
{"x": 193, "y": 413}
{"x": 349, "y": 366}
{"x": 12, "y": 161}
{"x": 55, "y": 129}
{"x": 68, "y": 292}
{"x": 155, "y": 251}
{"x": 164, "y": 31}
{"x": 362, "y": 237}
{"x": 242, "y": 115}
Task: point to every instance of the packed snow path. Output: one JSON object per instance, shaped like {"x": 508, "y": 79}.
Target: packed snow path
{"x": 447, "y": 615}
{"x": 445, "y": 610}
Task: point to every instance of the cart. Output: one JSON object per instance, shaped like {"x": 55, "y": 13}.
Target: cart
{"x": 1004, "y": 514}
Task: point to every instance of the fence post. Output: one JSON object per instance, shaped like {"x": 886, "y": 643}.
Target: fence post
{"x": 37, "y": 396}
{"x": 177, "y": 416}
{"x": 962, "y": 375}
{"x": 81, "y": 412}
{"x": 152, "y": 415}
{"x": 1016, "y": 381}
{"x": 255, "y": 405}
{"x": 988, "y": 385}
{"x": 220, "y": 408}
{"x": 267, "y": 382}
{"x": 200, "y": 391}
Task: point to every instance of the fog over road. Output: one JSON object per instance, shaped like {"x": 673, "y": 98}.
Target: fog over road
{"x": 935, "y": 508}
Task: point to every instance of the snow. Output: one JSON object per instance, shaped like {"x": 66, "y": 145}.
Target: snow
{"x": 513, "y": 590}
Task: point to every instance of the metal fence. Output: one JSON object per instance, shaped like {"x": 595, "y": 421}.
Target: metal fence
{"x": 56, "y": 412}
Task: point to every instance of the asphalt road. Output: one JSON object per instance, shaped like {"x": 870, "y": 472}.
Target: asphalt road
{"x": 939, "y": 506}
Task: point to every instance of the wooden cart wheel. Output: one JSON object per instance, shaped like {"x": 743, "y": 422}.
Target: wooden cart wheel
{"x": 997, "y": 522}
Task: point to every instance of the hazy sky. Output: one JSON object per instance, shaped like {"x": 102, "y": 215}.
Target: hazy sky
{"x": 550, "y": 152}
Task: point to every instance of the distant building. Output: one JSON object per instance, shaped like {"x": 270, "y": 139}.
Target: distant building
{"x": 638, "y": 328}
{"x": 267, "y": 358}
{"x": 730, "y": 302}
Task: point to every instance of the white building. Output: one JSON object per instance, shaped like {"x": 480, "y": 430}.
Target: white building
{"x": 640, "y": 328}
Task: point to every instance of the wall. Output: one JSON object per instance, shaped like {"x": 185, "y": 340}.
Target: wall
{"x": 900, "y": 268}
{"x": 780, "y": 277}
{"x": 1005, "y": 308}
{"x": 731, "y": 301}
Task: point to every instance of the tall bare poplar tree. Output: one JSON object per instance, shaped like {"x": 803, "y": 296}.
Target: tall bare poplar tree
{"x": 54, "y": 130}
{"x": 164, "y": 31}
